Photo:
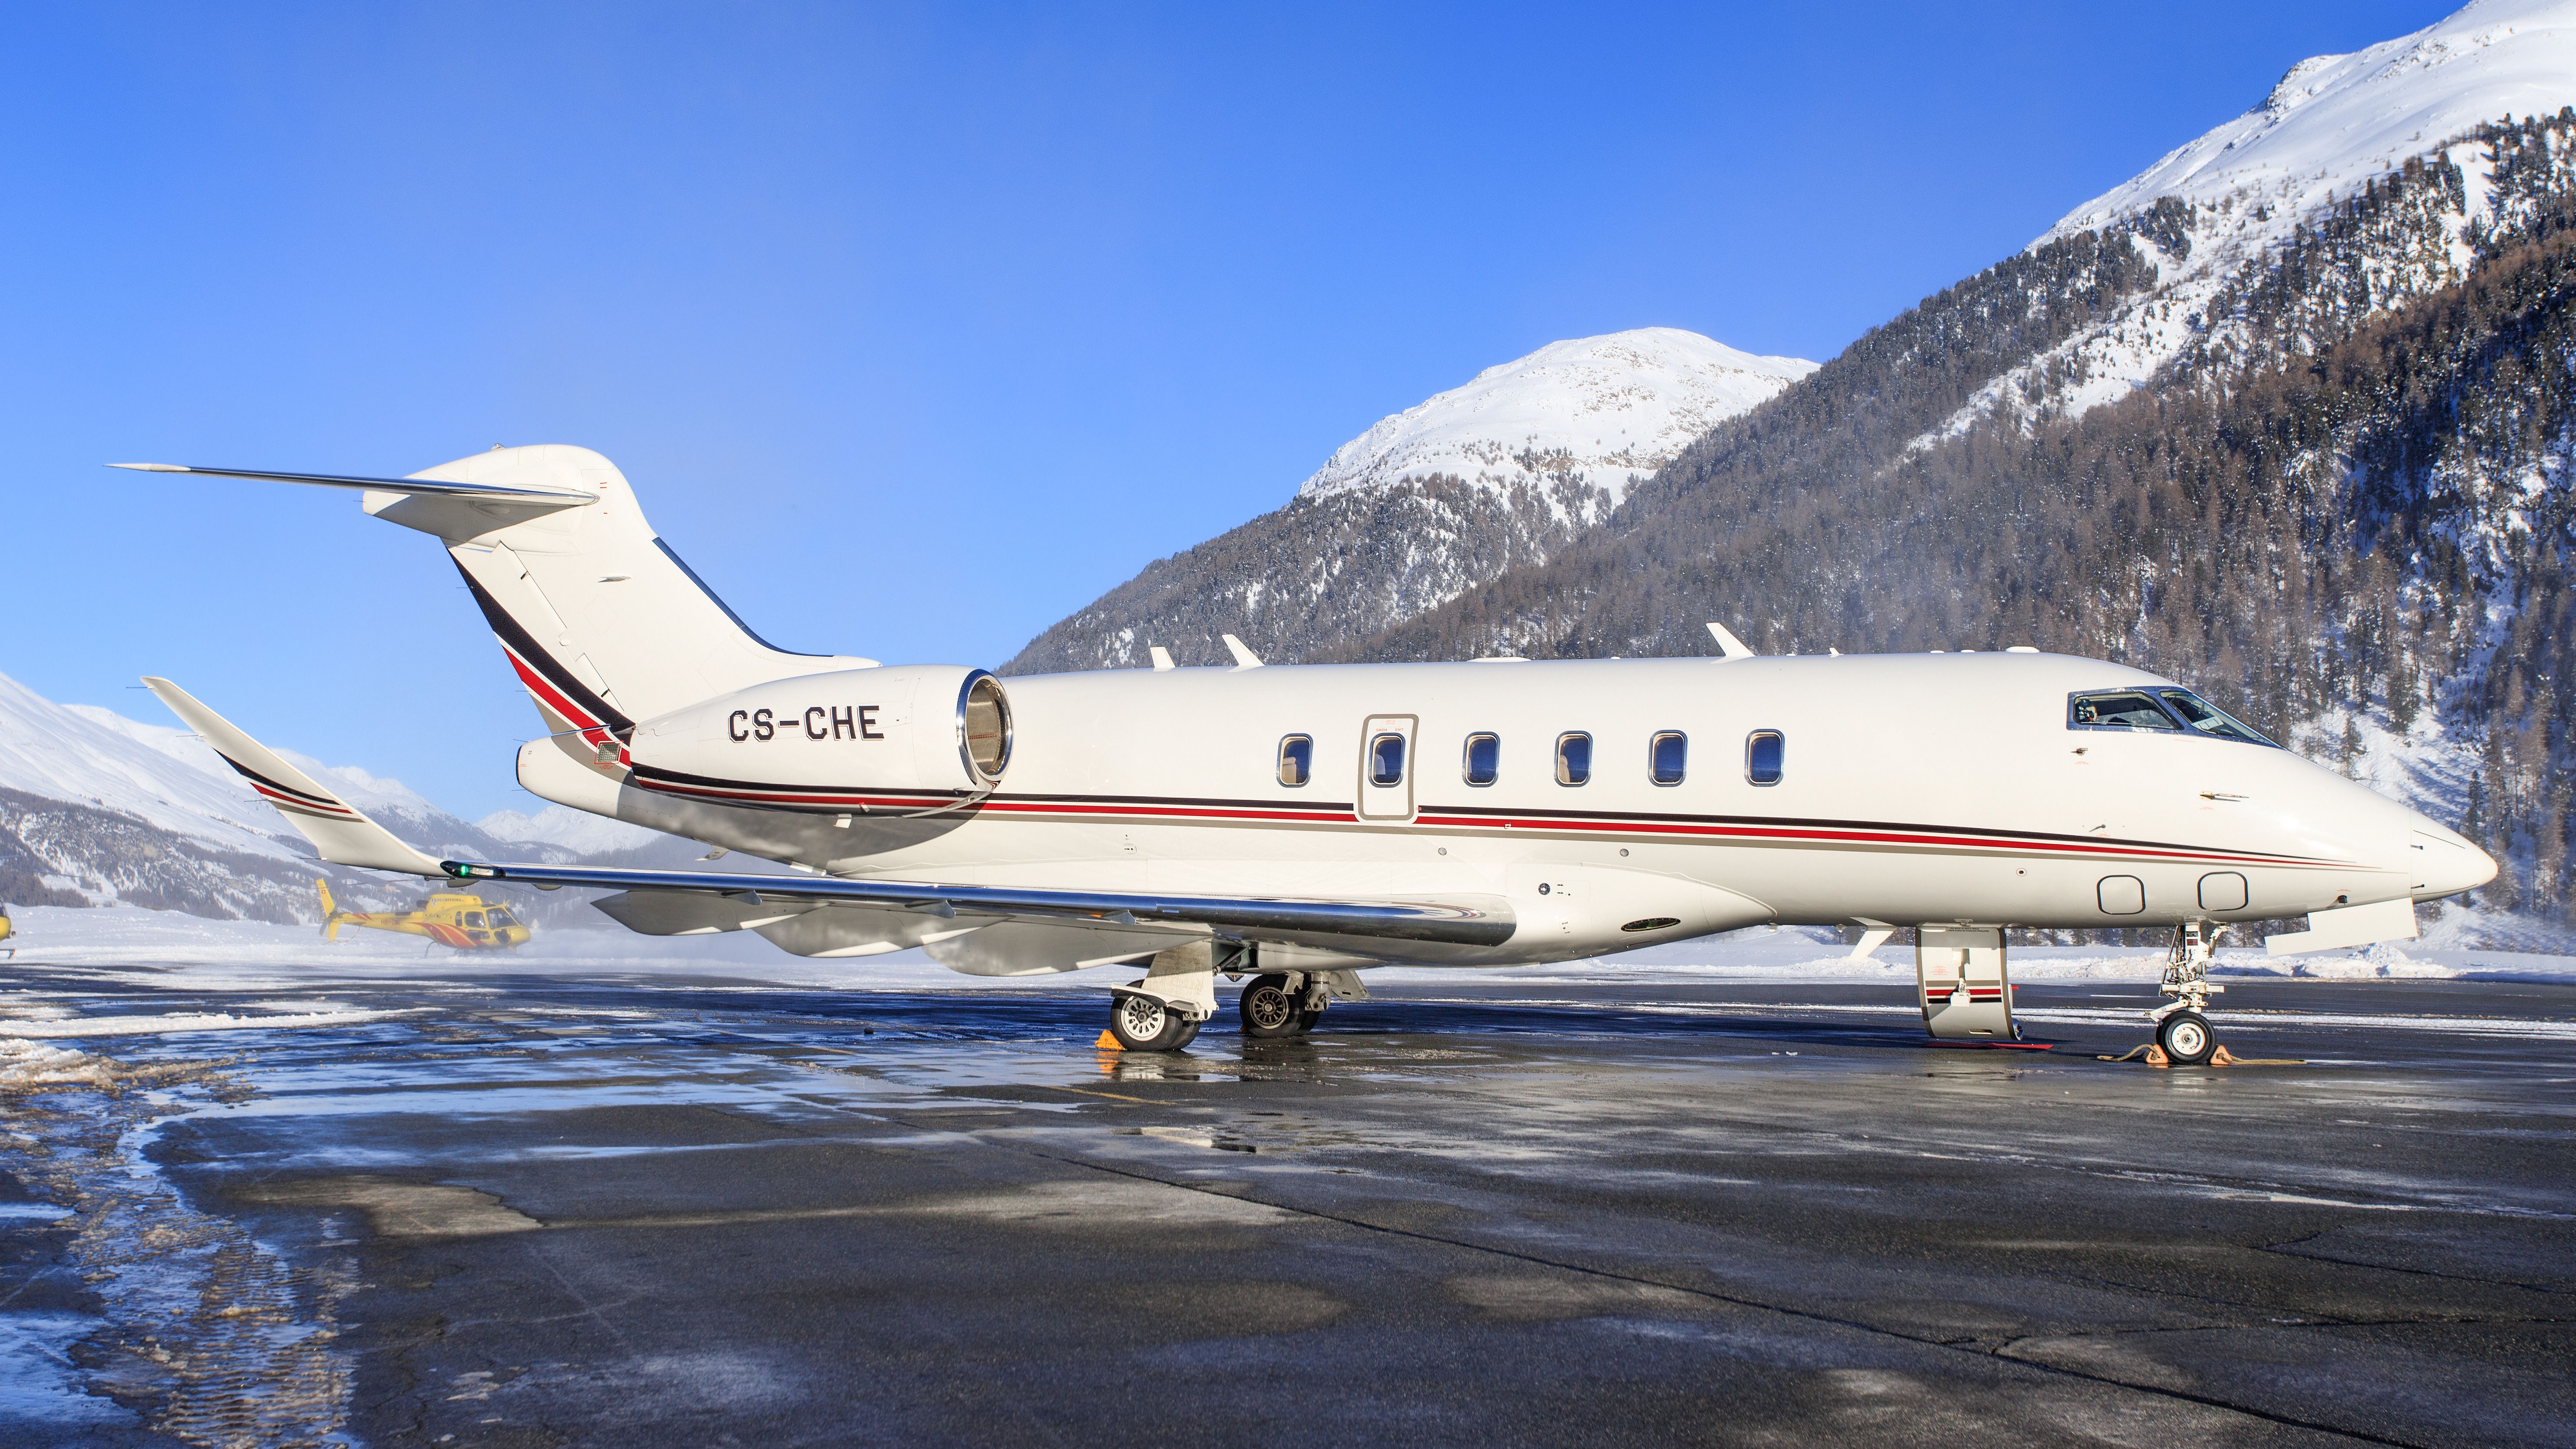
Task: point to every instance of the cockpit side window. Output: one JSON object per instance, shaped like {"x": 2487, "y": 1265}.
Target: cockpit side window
{"x": 2127, "y": 709}
{"x": 2208, "y": 718}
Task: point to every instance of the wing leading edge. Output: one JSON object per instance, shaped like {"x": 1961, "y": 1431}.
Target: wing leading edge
{"x": 1485, "y": 922}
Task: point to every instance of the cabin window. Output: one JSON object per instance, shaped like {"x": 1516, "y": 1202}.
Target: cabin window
{"x": 1764, "y": 753}
{"x": 1296, "y": 760}
{"x": 1666, "y": 756}
{"x": 503, "y": 918}
{"x": 1386, "y": 760}
{"x": 2208, "y": 718}
{"x": 1573, "y": 758}
{"x": 1484, "y": 759}
{"x": 474, "y": 918}
{"x": 2127, "y": 709}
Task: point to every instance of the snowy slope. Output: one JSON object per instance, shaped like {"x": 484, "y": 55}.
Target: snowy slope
{"x": 2333, "y": 125}
{"x": 2337, "y": 120}
{"x": 66, "y": 753}
{"x": 1606, "y": 411}
{"x": 86, "y": 755}
{"x": 578, "y": 831}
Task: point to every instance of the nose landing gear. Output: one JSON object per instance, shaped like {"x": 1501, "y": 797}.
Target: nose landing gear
{"x": 2183, "y": 1032}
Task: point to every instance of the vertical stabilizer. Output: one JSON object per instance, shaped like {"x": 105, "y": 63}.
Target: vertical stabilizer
{"x": 603, "y": 623}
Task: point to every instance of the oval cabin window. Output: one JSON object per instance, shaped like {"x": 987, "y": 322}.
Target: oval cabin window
{"x": 1765, "y": 753}
{"x": 1386, "y": 760}
{"x": 1666, "y": 756}
{"x": 1573, "y": 758}
{"x": 1296, "y": 760}
{"x": 1484, "y": 762}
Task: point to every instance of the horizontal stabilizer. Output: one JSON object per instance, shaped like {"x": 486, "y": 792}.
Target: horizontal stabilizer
{"x": 1485, "y": 922}
{"x": 340, "y": 833}
{"x": 499, "y": 492}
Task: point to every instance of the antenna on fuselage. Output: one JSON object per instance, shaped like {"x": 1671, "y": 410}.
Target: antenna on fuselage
{"x": 1243, "y": 658}
{"x": 1728, "y": 646}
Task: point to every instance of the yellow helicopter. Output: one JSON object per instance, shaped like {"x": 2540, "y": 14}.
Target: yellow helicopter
{"x": 451, "y": 918}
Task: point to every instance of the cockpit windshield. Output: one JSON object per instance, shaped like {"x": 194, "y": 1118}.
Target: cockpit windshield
{"x": 2157, "y": 709}
{"x": 2129, "y": 709}
{"x": 2208, "y": 718}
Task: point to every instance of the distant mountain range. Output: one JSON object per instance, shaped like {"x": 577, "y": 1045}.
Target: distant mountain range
{"x": 1429, "y": 503}
{"x": 99, "y": 809}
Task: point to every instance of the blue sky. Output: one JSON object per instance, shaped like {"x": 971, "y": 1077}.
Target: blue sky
{"x": 916, "y": 328}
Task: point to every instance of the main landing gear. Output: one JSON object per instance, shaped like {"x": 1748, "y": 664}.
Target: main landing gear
{"x": 2183, "y": 1032}
{"x": 1145, "y": 1024}
{"x": 1163, "y": 1012}
{"x": 1281, "y": 1004}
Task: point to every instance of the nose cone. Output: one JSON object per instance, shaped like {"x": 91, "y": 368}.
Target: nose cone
{"x": 2444, "y": 863}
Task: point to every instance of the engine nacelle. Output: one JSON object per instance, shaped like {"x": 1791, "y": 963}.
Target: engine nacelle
{"x": 873, "y": 741}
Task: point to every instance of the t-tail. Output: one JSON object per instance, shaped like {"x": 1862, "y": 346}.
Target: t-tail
{"x": 602, "y": 622}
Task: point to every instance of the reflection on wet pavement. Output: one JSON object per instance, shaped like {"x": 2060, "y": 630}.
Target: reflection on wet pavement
{"x": 603, "y": 1211}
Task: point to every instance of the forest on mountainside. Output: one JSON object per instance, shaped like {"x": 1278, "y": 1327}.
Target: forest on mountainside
{"x": 2324, "y": 501}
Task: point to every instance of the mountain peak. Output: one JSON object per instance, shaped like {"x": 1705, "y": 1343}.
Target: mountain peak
{"x": 2336, "y": 120}
{"x": 1602, "y": 412}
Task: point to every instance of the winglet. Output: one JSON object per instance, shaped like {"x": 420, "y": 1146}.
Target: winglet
{"x": 1728, "y": 646}
{"x": 1243, "y": 658}
{"x": 341, "y": 834}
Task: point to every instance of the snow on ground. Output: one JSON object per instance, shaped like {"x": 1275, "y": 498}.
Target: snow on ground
{"x": 252, "y": 955}
{"x": 1617, "y": 407}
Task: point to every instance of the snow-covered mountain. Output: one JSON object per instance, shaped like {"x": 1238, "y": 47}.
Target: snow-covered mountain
{"x": 1430, "y": 502}
{"x": 98, "y": 807}
{"x": 1602, "y": 411}
{"x": 2212, "y": 216}
{"x": 577, "y": 831}
{"x": 2335, "y": 121}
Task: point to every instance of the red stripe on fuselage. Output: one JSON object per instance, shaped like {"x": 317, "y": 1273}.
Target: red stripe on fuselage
{"x": 1898, "y": 839}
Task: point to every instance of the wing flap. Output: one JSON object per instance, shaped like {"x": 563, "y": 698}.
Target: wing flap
{"x": 1481, "y": 921}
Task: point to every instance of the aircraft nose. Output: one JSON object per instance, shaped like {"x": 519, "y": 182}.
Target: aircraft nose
{"x": 2444, "y": 863}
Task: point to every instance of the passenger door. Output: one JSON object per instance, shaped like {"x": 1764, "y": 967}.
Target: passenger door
{"x": 1386, "y": 767}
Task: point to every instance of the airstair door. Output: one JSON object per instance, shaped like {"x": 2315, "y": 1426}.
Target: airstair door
{"x": 1960, "y": 972}
{"x": 1386, "y": 767}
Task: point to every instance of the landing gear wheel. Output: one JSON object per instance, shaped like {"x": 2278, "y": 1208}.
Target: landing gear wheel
{"x": 1143, "y": 1024}
{"x": 2186, "y": 1039}
{"x": 1270, "y": 1009}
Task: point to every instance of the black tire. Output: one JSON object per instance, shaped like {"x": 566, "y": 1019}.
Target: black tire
{"x": 1306, "y": 1020}
{"x": 1269, "y": 1009}
{"x": 1189, "y": 1032}
{"x": 1143, "y": 1024}
{"x": 2186, "y": 1039}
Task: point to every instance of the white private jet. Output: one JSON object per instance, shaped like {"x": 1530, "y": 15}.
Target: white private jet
{"x": 1296, "y": 825}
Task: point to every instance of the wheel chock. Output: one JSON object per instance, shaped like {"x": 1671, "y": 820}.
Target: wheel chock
{"x": 1108, "y": 1041}
{"x": 2222, "y": 1057}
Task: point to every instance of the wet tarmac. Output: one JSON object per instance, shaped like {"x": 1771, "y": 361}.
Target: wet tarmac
{"x": 683, "y": 1212}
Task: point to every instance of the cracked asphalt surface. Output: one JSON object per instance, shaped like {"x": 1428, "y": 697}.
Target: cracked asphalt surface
{"x": 700, "y": 1211}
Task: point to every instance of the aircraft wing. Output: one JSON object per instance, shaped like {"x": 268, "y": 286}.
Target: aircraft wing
{"x": 337, "y": 830}
{"x": 1483, "y": 921}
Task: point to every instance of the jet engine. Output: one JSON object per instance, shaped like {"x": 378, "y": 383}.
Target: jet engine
{"x": 864, "y": 741}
